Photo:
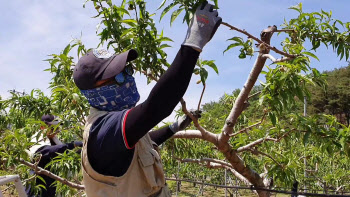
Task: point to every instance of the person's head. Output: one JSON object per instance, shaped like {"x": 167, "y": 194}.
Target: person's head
{"x": 106, "y": 80}
{"x": 51, "y": 122}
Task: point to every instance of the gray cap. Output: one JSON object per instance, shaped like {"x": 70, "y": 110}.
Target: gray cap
{"x": 50, "y": 119}
{"x": 99, "y": 64}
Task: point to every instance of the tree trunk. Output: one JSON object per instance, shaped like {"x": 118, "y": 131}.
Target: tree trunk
{"x": 223, "y": 138}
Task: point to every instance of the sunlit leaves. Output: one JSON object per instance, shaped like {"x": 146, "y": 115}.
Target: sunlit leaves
{"x": 202, "y": 71}
{"x": 247, "y": 46}
{"x": 189, "y": 7}
{"x": 318, "y": 27}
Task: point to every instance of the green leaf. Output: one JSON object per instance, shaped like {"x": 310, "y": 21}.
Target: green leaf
{"x": 298, "y": 7}
{"x": 237, "y": 39}
{"x": 212, "y": 65}
{"x": 311, "y": 54}
{"x": 175, "y": 14}
{"x": 164, "y": 46}
{"x": 66, "y": 50}
{"x": 130, "y": 22}
{"x": 216, "y": 3}
{"x": 162, "y": 4}
{"x": 204, "y": 74}
{"x": 242, "y": 55}
{"x": 232, "y": 46}
{"x": 273, "y": 118}
{"x": 164, "y": 39}
{"x": 166, "y": 10}
{"x": 306, "y": 137}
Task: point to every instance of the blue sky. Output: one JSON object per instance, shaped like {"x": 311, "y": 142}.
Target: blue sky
{"x": 31, "y": 30}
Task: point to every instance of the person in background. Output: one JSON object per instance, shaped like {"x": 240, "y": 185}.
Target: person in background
{"x": 48, "y": 147}
{"x": 119, "y": 156}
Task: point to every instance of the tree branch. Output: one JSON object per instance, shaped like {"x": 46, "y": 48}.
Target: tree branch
{"x": 206, "y": 135}
{"x": 200, "y": 100}
{"x": 249, "y": 127}
{"x": 39, "y": 170}
{"x": 188, "y": 134}
{"x": 256, "y": 142}
{"x": 253, "y": 95}
{"x": 208, "y": 162}
{"x": 274, "y": 60}
{"x": 285, "y": 30}
{"x": 223, "y": 138}
{"x": 256, "y": 152}
{"x": 267, "y": 45}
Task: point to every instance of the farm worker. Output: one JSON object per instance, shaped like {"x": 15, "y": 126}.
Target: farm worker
{"x": 119, "y": 156}
{"x": 48, "y": 146}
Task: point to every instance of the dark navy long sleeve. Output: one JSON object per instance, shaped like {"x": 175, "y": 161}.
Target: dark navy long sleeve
{"x": 110, "y": 144}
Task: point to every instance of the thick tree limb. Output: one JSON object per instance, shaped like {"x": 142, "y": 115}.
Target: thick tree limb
{"x": 39, "y": 170}
{"x": 242, "y": 97}
{"x": 188, "y": 134}
{"x": 223, "y": 138}
{"x": 267, "y": 45}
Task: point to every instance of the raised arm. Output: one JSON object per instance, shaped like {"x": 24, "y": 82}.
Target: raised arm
{"x": 171, "y": 87}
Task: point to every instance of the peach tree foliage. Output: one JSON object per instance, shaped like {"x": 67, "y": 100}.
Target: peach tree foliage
{"x": 286, "y": 135}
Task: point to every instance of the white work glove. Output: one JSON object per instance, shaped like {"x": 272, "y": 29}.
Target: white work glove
{"x": 184, "y": 122}
{"x": 203, "y": 26}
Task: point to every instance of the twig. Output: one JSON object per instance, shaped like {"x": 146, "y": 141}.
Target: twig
{"x": 245, "y": 129}
{"x": 249, "y": 127}
{"x": 256, "y": 142}
{"x": 39, "y": 170}
{"x": 200, "y": 100}
{"x": 259, "y": 41}
{"x": 253, "y": 95}
{"x": 256, "y": 151}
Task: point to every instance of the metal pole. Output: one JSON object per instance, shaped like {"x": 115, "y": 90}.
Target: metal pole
{"x": 305, "y": 160}
{"x": 18, "y": 184}
{"x": 225, "y": 182}
{"x": 177, "y": 182}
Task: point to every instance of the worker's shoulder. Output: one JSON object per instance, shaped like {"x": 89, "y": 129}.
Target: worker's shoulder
{"x": 109, "y": 120}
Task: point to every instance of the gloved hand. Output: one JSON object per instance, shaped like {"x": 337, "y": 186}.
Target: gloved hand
{"x": 203, "y": 26}
{"x": 184, "y": 121}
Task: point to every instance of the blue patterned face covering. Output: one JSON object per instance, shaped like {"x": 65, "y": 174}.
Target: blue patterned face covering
{"x": 114, "y": 97}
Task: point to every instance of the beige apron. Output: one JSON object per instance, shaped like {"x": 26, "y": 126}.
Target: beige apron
{"x": 144, "y": 178}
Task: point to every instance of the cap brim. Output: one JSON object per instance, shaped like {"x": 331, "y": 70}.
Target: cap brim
{"x": 54, "y": 122}
{"x": 118, "y": 63}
